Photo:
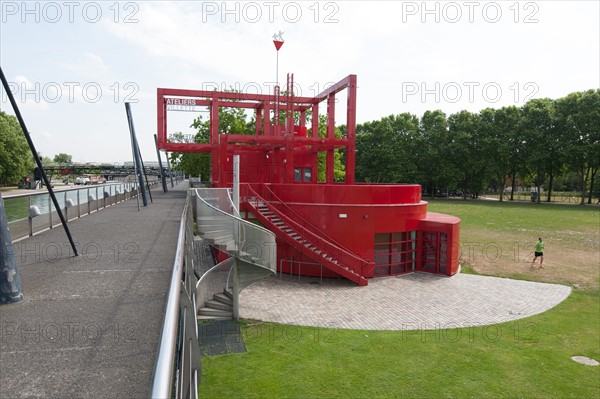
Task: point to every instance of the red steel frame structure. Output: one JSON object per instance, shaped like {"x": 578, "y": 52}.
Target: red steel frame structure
{"x": 284, "y": 142}
{"x": 357, "y": 231}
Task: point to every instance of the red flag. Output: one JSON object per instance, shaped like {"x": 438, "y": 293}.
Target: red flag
{"x": 277, "y": 44}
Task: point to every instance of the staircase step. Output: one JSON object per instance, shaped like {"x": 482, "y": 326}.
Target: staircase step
{"x": 228, "y": 294}
{"x": 215, "y": 312}
{"x": 223, "y": 299}
{"x": 204, "y": 317}
{"x": 213, "y": 304}
{"x": 211, "y": 232}
{"x": 307, "y": 247}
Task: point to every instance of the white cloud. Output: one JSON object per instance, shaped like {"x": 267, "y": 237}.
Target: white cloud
{"x": 387, "y": 44}
{"x": 28, "y": 95}
{"x": 90, "y": 66}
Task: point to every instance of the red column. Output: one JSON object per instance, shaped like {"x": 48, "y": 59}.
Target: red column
{"x": 289, "y": 158}
{"x": 268, "y": 131}
{"x": 315, "y": 133}
{"x": 161, "y": 112}
{"x": 315, "y": 120}
{"x": 258, "y": 129}
{"x": 351, "y": 131}
{"x": 223, "y": 180}
{"x": 330, "y": 135}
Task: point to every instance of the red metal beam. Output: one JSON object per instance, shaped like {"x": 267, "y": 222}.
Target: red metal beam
{"x": 351, "y": 130}
{"x": 339, "y": 86}
{"x": 161, "y": 127}
{"x": 230, "y": 95}
{"x": 186, "y": 147}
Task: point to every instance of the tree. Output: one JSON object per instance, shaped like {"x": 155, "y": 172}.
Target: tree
{"x": 339, "y": 169}
{"x": 63, "y": 159}
{"x": 432, "y": 154}
{"x": 45, "y": 160}
{"x": 539, "y": 131}
{"x": 501, "y": 133}
{"x": 384, "y": 147}
{"x": 466, "y": 152}
{"x": 578, "y": 116}
{"x": 15, "y": 156}
{"x": 231, "y": 121}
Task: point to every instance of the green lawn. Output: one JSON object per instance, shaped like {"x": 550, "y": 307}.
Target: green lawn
{"x": 528, "y": 358}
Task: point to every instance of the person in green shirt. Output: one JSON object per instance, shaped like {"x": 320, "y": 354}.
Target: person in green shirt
{"x": 539, "y": 253}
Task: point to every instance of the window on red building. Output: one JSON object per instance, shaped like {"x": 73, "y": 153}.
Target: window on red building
{"x": 298, "y": 175}
{"x": 395, "y": 253}
{"x": 307, "y": 175}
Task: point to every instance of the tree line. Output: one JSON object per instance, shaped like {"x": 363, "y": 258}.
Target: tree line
{"x": 549, "y": 144}
{"x": 16, "y": 160}
{"x": 545, "y": 144}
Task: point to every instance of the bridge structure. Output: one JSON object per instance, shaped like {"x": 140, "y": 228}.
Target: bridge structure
{"x": 89, "y": 325}
{"x": 108, "y": 171}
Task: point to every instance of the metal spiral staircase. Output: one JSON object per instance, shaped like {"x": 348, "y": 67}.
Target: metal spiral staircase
{"x": 252, "y": 254}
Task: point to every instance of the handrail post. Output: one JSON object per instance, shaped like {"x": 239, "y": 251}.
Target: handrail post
{"x": 30, "y": 219}
{"x": 236, "y": 291}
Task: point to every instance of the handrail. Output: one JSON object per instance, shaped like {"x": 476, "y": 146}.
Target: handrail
{"x": 87, "y": 187}
{"x": 179, "y": 357}
{"x": 226, "y": 263}
{"x": 236, "y": 211}
{"x": 302, "y": 220}
{"x": 245, "y": 222}
{"x": 247, "y": 243}
{"x": 346, "y": 257}
{"x": 162, "y": 379}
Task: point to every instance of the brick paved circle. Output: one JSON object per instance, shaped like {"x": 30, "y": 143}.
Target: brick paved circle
{"x": 408, "y": 302}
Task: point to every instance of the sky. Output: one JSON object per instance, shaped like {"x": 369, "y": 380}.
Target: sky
{"x": 72, "y": 65}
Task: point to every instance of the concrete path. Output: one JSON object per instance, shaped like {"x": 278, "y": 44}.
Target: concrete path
{"x": 89, "y": 325}
{"x": 409, "y": 302}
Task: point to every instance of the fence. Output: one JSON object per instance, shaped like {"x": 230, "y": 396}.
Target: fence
{"x": 178, "y": 364}
{"x": 560, "y": 197}
{"x": 31, "y": 213}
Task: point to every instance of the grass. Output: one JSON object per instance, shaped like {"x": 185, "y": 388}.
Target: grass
{"x": 498, "y": 239}
{"x": 527, "y": 358}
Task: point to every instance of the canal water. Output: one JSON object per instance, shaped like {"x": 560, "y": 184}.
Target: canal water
{"x": 19, "y": 207}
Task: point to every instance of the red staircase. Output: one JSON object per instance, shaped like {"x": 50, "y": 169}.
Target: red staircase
{"x": 301, "y": 235}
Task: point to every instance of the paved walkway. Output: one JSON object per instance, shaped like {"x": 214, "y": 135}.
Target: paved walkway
{"x": 409, "y": 302}
{"x": 89, "y": 325}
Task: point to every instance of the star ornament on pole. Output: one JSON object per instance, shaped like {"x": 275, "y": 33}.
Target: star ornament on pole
{"x": 278, "y": 40}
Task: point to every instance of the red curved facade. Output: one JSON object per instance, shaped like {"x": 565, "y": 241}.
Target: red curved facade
{"x": 356, "y": 231}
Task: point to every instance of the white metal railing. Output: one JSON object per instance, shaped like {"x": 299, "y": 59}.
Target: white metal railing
{"x": 178, "y": 364}
{"x": 251, "y": 245}
{"x": 248, "y": 241}
{"x": 34, "y": 212}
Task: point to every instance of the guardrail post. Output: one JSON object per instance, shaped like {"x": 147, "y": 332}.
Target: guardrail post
{"x": 30, "y": 219}
{"x": 66, "y": 208}
{"x": 236, "y": 291}
{"x": 10, "y": 283}
{"x": 50, "y": 211}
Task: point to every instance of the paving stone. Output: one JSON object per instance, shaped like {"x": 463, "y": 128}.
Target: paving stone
{"x": 417, "y": 301}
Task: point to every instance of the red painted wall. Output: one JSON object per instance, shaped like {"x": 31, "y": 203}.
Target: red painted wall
{"x": 368, "y": 210}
